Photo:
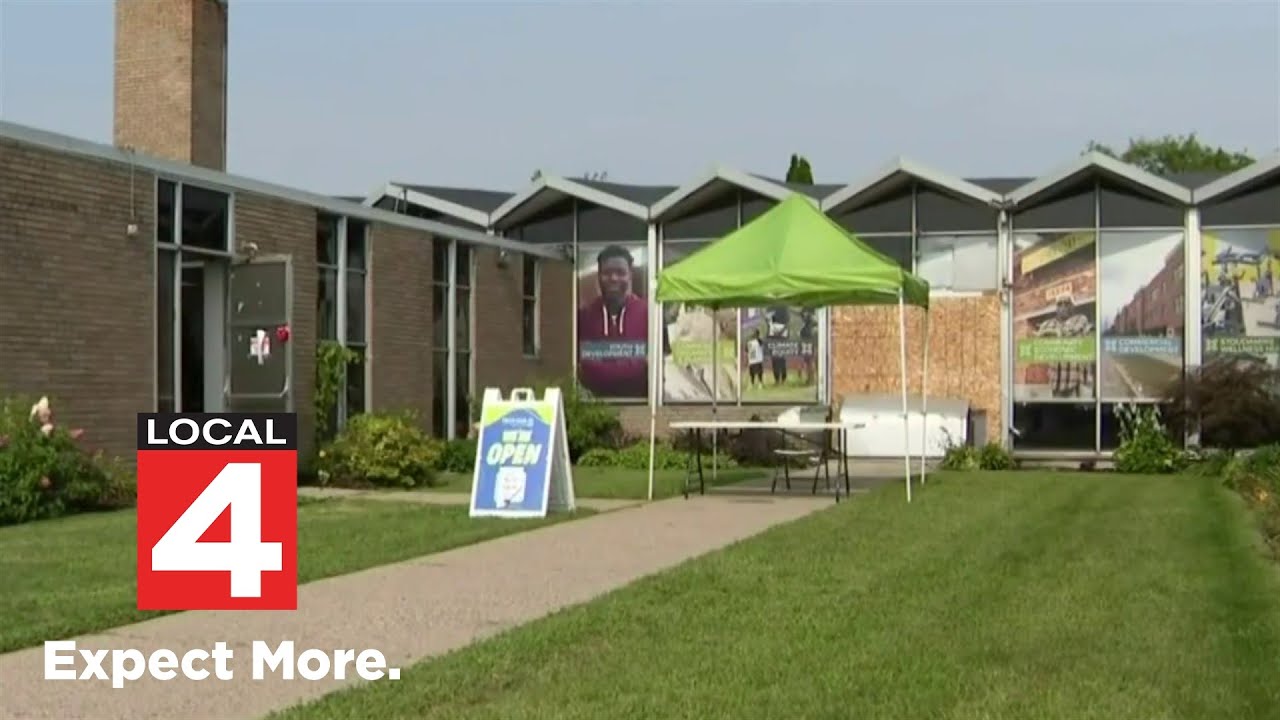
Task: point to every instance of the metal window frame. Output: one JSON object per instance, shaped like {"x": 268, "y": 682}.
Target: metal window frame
{"x": 180, "y": 252}
{"x": 536, "y": 298}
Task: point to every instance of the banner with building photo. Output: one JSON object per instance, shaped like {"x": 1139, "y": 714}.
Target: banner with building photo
{"x": 779, "y": 361}
{"x": 613, "y": 321}
{"x": 1239, "y": 305}
{"x": 688, "y": 373}
{"x": 1054, "y": 316}
{"x": 1141, "y": 312}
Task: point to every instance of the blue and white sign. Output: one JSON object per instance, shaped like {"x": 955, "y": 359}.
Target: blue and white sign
{"x": 522, "y": 457}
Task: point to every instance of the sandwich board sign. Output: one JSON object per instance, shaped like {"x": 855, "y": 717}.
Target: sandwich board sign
{"x": 522, "y": 456}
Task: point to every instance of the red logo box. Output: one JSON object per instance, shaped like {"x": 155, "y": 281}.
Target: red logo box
{"x": 217, "y": 511}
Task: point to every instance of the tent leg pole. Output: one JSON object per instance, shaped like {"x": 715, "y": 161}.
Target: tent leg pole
{"x": 653, "y": 441}
{"x": 715, "y": 395}
{"x": 924, "y": 404}
{"x": 902, "y": 358}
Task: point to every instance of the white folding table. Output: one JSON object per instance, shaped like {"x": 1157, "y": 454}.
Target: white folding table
{"x": 841, "y": 429}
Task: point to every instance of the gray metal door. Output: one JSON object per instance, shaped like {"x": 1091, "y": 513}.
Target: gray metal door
{"x": 260, "y": 366}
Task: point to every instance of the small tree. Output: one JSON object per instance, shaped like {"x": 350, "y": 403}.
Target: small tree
{"x": 800, "y": 172}
{"x": 1175, "y": 154}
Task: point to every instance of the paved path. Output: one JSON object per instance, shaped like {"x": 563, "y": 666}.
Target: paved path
{"x": 434, "y": 497}
{"x": 409, "y": 611}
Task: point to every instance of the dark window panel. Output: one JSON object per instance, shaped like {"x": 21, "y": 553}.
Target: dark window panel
{"x": 1259, "y": 206}
{"x": 357, "y": 245}
{"x": 940, "y": 212}
{"x": 326, "y": 239}
{"x": 1119, "y": 206}
{"x": 165, "y": 208}
{"x": 1054, "y": 426}
{"x": 204, "y": 218}
{"x": 1069, "y": 207}
{"x": 890, "y": 214}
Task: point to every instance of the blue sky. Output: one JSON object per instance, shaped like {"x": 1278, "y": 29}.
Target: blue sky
{"x": 338, "y": 96}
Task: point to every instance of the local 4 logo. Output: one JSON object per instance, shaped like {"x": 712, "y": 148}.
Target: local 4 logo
{"x": 217, "y": 511}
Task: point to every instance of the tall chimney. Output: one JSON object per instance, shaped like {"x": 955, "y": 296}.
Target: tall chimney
{"x": 171, "y": 79}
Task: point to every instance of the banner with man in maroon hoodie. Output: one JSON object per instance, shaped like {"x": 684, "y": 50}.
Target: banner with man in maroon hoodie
{"x": 613, "y": 331}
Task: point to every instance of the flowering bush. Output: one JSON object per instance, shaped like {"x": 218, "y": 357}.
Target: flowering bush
{"x": 44, "y": 471}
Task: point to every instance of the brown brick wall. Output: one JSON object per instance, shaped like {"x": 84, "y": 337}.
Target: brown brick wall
{"x": 499, "y": 356}
{"x": 401, "y": 320}
{"x": 964, "y": 352}
{"x": 170, "y": 88}
{"x": 76, "y": 291}
{"x": 285, "y": 228}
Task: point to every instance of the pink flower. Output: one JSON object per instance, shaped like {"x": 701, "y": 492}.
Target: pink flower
{"x": 45, "y": 482}
{"x": 77, "y": 433}
{"x": 47, "y": 429}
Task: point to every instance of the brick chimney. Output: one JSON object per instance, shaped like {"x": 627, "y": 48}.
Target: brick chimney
{"x": 171, "y": 79}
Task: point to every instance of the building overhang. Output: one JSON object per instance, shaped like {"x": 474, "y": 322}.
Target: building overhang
{"x": 901, "y": 173}
{"x": 704, "y": 189}
{"x": 1096, "y": 164}
{"x": 402, "y": 192}
{"x": 1240, "y": 181}
{"x": 548, "y": 190}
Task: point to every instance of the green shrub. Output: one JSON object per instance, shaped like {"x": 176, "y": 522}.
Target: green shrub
{"x": 1233, "y": 401}
{"x": 1256, "y": 476}
{"x": 458, "y": 456}
{"x": 636, "y": 457}
{"x": 589, "y": 423}
{"x": 382, "y": 450}
{"x": 45, "y": 472}
{"x": 961, "y": 457}
{"x": 1145, "y": 445}
{"x": 994, "y": 456}
{"x": 1220, "y": 464}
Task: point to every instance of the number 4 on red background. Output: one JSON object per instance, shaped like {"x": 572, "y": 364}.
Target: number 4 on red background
{"x": 217, "y": 519}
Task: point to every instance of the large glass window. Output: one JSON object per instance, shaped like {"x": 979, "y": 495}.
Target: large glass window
{"x": 1140, "y": 313}
{"x": 688, "y": 373}
{"x": 1054, "y": 316}
{"x": 465, "y": 272}
{"x": 529, "y": 291}
{"x": 1098, "y": 321}
{"x": 193, "y": 247}
{"x": 341, "y": 316}
{"x": 1240, "y": 305}
{"x": 440, "y": 338}
{"x": 959, "y": 262}
{"x": 898, "y": 248}
{"x": 613, "y": 321}
{"x": 166, "y": 263}
{"x": 356, "y": 336}
{"x": 205, "y": 218}
{"x": 764, "y": 355}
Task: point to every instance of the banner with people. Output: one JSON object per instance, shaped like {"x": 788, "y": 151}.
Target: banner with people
{"x": 779, "y": 360}
{"x": 1240, "y": 307}
{"x": 1054, "y": 308}
{"x": 613, "y": 321}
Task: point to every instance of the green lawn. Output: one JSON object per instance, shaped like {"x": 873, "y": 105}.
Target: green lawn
{"x": 1020, "y": 595}
{"x": 77, "y": 575}
{"x": 615, "y": 483}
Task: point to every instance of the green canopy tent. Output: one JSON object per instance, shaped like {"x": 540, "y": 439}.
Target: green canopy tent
{"x": 797, "y": 256}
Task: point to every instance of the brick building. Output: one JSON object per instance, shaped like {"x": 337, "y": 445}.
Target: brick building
{"x": 1149, "y": 312}
{"x": 134, "y": 277}
{"x": 126, "y": 268}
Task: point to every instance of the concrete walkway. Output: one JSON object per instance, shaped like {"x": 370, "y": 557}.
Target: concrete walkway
{"x": 434, "y": 497}
{"x": 410, "y": 611}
